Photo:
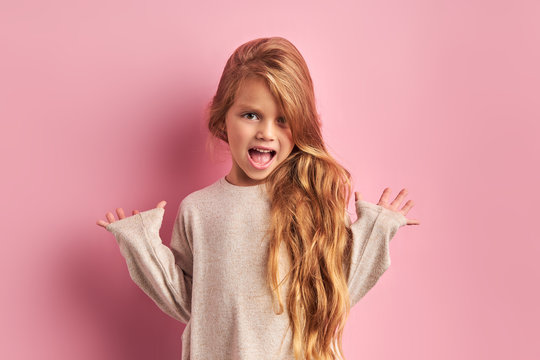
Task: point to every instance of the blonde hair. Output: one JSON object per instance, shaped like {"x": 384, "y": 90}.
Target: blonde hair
{"x": 309, "y": 192}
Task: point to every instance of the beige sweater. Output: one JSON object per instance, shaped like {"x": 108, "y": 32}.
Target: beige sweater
{"x": 213, "y": 276}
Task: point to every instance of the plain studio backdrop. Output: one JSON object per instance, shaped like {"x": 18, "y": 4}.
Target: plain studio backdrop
{"x": 102, "y": 106}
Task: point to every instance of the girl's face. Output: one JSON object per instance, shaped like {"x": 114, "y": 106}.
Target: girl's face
{"x": 254, "y": 122}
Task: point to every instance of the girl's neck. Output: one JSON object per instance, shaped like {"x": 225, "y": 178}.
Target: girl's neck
{"x": 238, "y": 185}
{"x": 242, "y": 188}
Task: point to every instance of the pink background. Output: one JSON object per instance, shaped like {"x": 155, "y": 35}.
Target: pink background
{"x": 101, "y": 106}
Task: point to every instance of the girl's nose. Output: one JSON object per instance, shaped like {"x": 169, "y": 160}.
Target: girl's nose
{"x": 266, "y": 130}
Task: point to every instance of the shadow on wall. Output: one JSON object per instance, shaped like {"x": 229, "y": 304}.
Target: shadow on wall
{"x": 182, "y": 160}
{"x": 117, "y": 316}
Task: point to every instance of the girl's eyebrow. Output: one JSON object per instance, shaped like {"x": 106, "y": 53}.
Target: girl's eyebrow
{"x": 250, "y": 107}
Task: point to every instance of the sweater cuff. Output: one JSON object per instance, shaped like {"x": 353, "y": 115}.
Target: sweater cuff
{"x": 149, "y": 219}
{"x": 398, "y": 219}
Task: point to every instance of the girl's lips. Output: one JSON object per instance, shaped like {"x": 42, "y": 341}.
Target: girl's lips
{"x": 261, "y": 166}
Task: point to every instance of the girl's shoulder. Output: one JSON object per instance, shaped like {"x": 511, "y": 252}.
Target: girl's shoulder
{"x": 204, "y": 195}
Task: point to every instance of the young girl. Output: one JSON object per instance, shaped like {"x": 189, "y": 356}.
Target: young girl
{"x": 264, "y": 263}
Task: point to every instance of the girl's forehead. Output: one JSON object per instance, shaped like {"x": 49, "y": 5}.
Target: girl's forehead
{"x": 253, "y": 93}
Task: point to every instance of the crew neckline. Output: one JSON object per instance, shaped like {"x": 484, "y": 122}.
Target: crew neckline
{"x": 224, "y": 182}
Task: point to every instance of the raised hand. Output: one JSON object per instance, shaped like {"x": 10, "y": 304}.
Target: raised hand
{"x": 120, "y": 213}
{"x": 394, "y": 205}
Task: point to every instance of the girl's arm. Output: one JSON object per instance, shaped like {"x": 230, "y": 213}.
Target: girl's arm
{"x": 372, "y": 231}
{"x": 164, "y": 274}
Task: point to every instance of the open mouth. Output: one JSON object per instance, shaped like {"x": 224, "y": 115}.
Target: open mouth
{"x": 261, "y": 158}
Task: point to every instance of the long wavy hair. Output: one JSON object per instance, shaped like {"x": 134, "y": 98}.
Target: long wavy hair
{"x": 309, "y": 192}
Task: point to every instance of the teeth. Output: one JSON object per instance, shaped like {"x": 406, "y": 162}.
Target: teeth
{"x": 261, "y": 150}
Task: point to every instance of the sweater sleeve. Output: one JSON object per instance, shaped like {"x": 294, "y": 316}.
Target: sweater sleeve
{"x": 371, "y": 232}
{"x": 163, "y": 273}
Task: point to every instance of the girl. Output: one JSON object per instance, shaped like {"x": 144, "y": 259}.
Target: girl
{"x": 264, "y": 263}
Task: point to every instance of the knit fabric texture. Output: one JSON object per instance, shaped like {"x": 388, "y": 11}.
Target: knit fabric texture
{"x": 212, "y": 276}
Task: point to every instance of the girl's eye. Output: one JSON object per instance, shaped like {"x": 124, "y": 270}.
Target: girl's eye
{"x": 281, "y": 120}
{"x": 249, "y": 114}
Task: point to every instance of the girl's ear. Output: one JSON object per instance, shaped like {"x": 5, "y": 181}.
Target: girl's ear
{"x": 225, "y": 137}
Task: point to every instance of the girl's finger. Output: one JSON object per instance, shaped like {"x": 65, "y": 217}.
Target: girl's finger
{"x": 413, "y": 222}
{"x": 161, "y": 204}
{"x": 408, "y": 205}
{"x": 110, "y": 217}
{"x": 357, "y": 196}
{"x": 135, "y": 212}
{"x": 120, "y": 213}
{"x": 384, "y": 197}
{"x": 399, "y": 199}
{"x": 102, "y": 223}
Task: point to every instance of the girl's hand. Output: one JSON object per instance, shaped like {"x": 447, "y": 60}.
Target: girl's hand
{"x": 394, "y": 205}
{"x": 121, "y": 215}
